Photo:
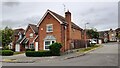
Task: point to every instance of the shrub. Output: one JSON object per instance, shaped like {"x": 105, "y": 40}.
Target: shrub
{"x": 55, "y": 49}
{"x": 5, "y": 48}
{"x": 37, "y": 53}
{"x": 30, "y": 49}
{"x": 92, "y": 44}
{"x": 7, "y": 52}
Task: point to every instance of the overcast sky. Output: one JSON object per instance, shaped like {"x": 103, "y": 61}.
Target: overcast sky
{"x": 100, "y": 15}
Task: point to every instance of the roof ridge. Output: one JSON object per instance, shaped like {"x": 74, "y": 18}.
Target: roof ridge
{"x": 33, "y": 24}
{"x": 55, "y": 13}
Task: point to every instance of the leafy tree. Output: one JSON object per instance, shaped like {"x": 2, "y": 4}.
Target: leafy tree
{"x": 118, "y": 35}
{"x": 6, "y": 36}
{"x": 92, "y": 33}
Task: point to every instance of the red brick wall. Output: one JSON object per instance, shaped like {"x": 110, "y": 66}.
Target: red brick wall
{"x": 76, "y": 34}
{"x": 29, "y": 30}
{"x": 14, "y": 41}
{"x": 42, "y": 30}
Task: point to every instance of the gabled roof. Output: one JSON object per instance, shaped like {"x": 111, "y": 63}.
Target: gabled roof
{"x": 35, "y": 38}
{"x": 118, "y": 29}
{"x": 33, "y": 27}
{"x": 60, "y": 18}
{"x": 24, "y": 40}
{"x": 16, "y": 31}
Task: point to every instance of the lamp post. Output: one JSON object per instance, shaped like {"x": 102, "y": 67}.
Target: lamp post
{"x": 85, "y": 35}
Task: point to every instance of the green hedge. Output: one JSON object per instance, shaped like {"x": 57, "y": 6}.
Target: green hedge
{"x": 54, "y": 51}
{"x": 37, "y": 53}
{"x": 7, "y": 52}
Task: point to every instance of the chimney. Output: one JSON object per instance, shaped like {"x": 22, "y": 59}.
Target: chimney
{"x": 68, "y": 33}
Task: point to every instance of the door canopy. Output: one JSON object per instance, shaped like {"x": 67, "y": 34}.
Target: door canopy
{"x": 50, "y": 37}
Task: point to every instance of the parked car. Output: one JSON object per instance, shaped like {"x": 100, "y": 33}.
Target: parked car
{"x": 94, "y": 41}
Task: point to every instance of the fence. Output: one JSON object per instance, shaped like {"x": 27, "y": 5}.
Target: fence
{"x": 80, "y": 44}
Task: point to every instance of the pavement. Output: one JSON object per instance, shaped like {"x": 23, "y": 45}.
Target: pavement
{"x": 21, "y": 58}
{"x": 102, "y": 56}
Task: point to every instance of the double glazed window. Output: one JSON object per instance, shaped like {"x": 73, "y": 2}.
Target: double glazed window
{"x": 31, "y": 46}
{"x": 49, "y": 28}
{"x": 47, "y": 43}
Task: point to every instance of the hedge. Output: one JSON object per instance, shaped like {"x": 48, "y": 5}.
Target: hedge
{"x": 54, "y": 51}
{"x": 37, "y": 53}
{"x": 7, "y": 52}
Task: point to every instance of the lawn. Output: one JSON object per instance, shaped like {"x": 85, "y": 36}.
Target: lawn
{"x": 16, "y": 53}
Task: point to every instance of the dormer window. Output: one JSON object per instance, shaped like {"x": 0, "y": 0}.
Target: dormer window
{"x": 31, "y": 35}
{"x": 49, "y": 28}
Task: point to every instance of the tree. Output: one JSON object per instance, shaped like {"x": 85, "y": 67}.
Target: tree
{"x": 118, "y": 36}
{"x": 92, "y": 33}
{"x": 6, "y": 36}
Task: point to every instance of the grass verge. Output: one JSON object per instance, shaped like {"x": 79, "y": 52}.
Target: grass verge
{"x": 89, "y": 48}
{"x": 16, "y": 53}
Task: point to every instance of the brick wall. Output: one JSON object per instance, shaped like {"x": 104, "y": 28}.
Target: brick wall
{"x": 42, "y": 30}
{"x": 29, "y": 30}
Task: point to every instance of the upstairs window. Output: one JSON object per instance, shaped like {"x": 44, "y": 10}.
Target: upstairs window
{"x": 49, "y": 28}
{"x": 31, "y": 35}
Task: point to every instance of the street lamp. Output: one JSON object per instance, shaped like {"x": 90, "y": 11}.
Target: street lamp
{"x": 85, "y": 35}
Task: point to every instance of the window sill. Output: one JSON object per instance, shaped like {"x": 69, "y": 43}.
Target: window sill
{"x": 49, "y": 31}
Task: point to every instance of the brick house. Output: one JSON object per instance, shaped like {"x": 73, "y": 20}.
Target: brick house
{"x": 108, "y": 36}
{"x": 104, "y": 36}
{"x": 56, "y": 28}
{"x": 112, "y": 35}
{"x": 30, "y": 38}
{"x": 17, "y": 37}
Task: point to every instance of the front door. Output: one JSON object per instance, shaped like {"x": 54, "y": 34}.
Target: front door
{"x": 17, "y": 48}
{"x": 36, "y": 46}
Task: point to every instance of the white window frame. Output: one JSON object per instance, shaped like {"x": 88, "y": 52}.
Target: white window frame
{"x": 47, "y": 30}
{"x": 49, "y": 44}
{"x": 31, "y": 35}
{"x": 30, "y": 46}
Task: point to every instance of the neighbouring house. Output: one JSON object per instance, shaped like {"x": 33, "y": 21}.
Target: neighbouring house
{"x": 30, "y": 40}
{"x": 17, "y": 38}
{"x": 112, "y": 35}
{"x": 55, "y": 28}
{"x": 104, "y": 36}
{"x": 108, "y": 36}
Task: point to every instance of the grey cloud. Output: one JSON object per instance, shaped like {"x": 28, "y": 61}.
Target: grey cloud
{"x": 13, "y": 24}
{"x": 20, "y": 23}
{"x": 11, "y": 4}
{"x": 33, "y": 19}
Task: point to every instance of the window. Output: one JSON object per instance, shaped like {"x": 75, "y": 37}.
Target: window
{"x": 112, "y": 34}
{"x": 47, "y": 43}
{"x": 31, "y": 35}
{"x": 31, "y": 46}
{"x": 49, "y": 28}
